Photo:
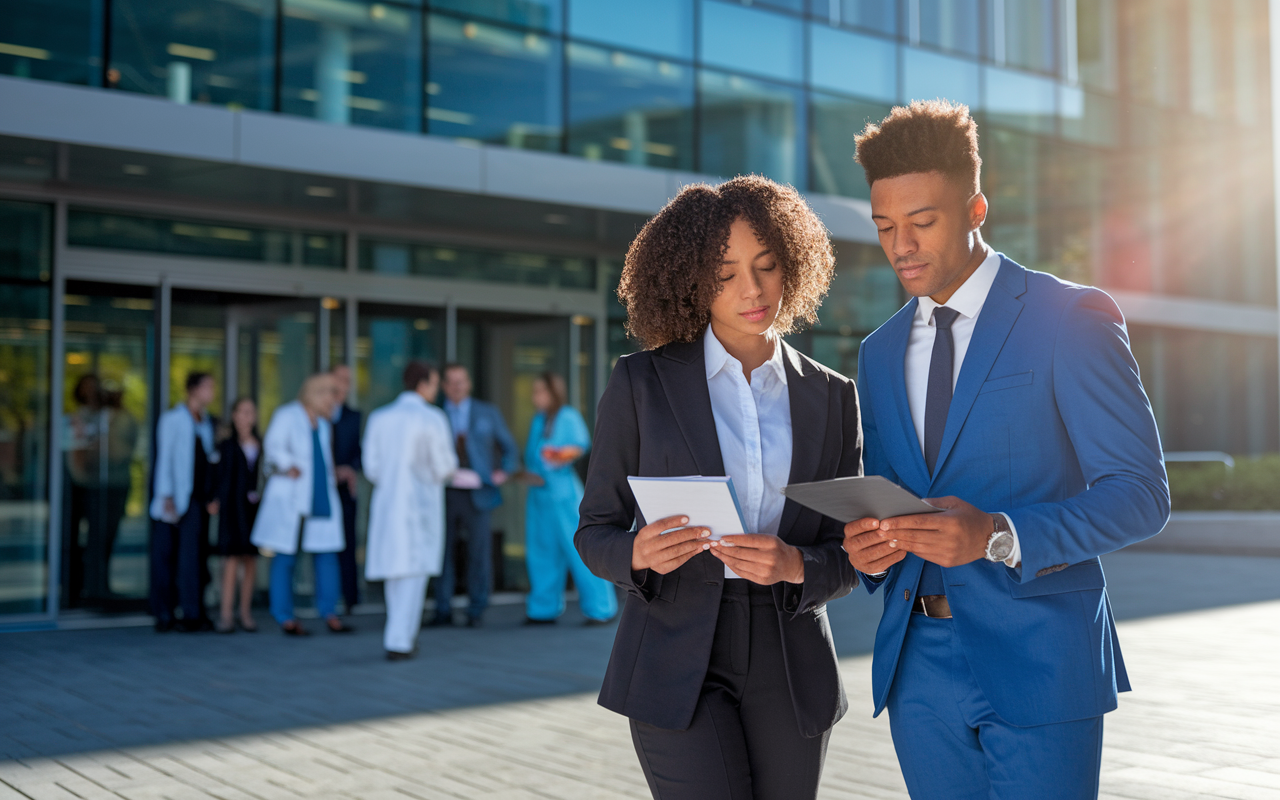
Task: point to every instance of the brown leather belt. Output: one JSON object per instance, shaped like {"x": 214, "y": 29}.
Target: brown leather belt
{"x": 932, "y": 605}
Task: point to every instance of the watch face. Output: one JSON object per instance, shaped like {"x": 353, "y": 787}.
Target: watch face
{"x": 1000, "y": 546}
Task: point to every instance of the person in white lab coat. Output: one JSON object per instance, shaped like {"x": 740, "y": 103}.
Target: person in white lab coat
{"x": 300, "y": 510}
{"x": 408, "y": 455}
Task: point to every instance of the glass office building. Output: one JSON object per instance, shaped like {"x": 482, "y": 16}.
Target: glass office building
{"x": 263, "y": 188}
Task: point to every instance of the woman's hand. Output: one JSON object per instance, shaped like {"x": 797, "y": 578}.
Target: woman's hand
{"x": 760, "y": 558}
{"x": 292, "y": 473}
{"x": 665, "y": 552}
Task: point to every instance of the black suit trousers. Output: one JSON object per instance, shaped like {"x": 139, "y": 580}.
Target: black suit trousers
{"x": 744, "y": 742}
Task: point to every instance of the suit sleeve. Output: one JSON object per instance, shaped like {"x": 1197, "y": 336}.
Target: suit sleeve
{"x": 357, "y": 455}
{"x": 165, "y": 436}
{"x": 506, "y": 443}
{"x": 1109, "y": 422}
{"x": 828, "y": 575}
{"x": 608, "y": 511}
{"x": 874, "y": 459}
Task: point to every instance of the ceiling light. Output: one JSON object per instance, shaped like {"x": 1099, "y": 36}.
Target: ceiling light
{"x": 321, "y": 191}
{"x": 135, "y": 169}
{"x": 556, "y": 219}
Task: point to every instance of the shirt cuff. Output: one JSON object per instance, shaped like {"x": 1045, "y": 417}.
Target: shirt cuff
{"x": 1015, "y": 558}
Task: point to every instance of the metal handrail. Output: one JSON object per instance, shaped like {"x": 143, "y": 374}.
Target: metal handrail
{"x": 1201, "y": 455}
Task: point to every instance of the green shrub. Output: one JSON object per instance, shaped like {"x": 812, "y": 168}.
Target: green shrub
{"x": 1253, "y": 485}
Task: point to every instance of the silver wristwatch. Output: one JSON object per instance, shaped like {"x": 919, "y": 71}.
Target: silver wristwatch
{"x": 1000, "y": 543}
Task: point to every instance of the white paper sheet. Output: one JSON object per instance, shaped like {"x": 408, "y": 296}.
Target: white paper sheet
{"x": 708, "y": 501}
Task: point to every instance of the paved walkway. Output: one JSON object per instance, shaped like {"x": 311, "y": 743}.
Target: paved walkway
{"x": 509, "y": 712}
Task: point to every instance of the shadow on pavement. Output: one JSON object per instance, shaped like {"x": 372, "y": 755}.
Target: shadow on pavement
{"x": 76, "y": 691}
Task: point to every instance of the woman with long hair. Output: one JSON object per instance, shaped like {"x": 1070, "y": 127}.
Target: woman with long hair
{"x": 558, "y": 437}
{"x": 723, "y": 658}
{"x": 238, "y": 495}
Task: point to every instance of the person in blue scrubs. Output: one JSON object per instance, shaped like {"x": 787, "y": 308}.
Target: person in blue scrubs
{"x": 558, "y": 437}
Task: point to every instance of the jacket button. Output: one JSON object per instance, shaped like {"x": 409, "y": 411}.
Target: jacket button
{"x": 906, "y": 594}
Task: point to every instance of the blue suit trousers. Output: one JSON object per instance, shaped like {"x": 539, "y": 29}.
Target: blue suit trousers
{"x": 953, "y": 746}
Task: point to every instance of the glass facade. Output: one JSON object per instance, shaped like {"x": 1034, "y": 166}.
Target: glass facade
{"x": 52, "y": 40}
{"x": 460, "y": 263}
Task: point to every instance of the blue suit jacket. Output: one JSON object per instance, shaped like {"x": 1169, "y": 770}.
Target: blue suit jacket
{"x": 490, "y": 446}
{"x": 1049, "y": 423}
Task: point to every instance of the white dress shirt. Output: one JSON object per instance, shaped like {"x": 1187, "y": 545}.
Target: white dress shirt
{"x": 968, "y": 301}
{"x": 753, "y": 424}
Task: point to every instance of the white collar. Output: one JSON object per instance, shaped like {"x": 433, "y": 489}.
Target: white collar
{"x": 409, "y": 395}
{"x": 717, "y": 357}
{"x": 969, "y": 299}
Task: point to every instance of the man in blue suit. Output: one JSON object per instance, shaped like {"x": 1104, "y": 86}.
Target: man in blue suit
{"x": 1013, "y": 398}
{"x": 346, "y": 468}
{"x": 487, "y": 451}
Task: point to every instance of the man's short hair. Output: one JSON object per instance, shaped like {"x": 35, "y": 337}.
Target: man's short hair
{"x": 925, "y": 136}
{"x": 194, "y": 379}
{"x": 417, "y": 372}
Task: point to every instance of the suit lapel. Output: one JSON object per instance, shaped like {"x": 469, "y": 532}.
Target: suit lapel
{"x": 809, "y": 396}
{"x": 910, "y": 465}
{"x": 681, "y": 370}
{"x": 995, "y": 321}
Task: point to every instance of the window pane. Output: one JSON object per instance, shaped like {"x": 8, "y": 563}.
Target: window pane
{"x": 446, "y": 261}
{"x": 927, "y": 76}
{"x": 630, "y": 108}
{"x": 950, "y": 25}
{"x": 853, "y": 64}
{"x": 24, "y": 425}
{"x": 1020, "y": 100}
{"x": 52, "y": 40}
{"x": 1096, "y": 43}
{"x": 1088, "y": 117}
{"x": 877, "y": 15}
{"x": 864, "y": 293}
{"x": 836, "y": 120}
{"x": 1029, "y": 34}
{"x": 204, "y": 238}
{"x": 748, "y": 40}
{"x": 493, "y": 84}
{"x": 353, "y": 62}
{"x": 389, "y": 338}
{"x": 664, "y": 27}
{"x": 540, "y": 14}
{"x": 751, "y": 126}
{"x": 203, "y": 51}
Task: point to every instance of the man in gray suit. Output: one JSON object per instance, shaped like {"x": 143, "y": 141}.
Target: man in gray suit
{"x": 487, "y": 453}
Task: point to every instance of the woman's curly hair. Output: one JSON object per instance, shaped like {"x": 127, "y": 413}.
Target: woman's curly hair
{"x": 672, "y": 269}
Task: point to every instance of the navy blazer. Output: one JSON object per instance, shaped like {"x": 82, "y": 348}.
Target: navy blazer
{"x": 346, "y": 439}
{"x": 655, "y": 419}
{"x": 1049, "y": 423}
{"x": 490, "y": 446}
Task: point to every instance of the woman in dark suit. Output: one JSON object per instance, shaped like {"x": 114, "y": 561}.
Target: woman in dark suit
{"x": 723, "y": 657}
{"x": 239, "y": 471}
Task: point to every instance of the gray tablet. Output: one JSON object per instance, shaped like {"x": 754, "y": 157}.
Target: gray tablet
{"x": 847, "y": 499}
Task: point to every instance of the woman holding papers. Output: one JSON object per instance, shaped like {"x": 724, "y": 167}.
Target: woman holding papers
{"x": 723, "y": 658}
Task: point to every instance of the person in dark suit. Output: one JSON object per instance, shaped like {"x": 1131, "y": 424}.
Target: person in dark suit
{"x": 347, "y": 468}
{"x": 487, "y": 455}
{"x": 723, "y": 658}
{"x": 236, "y": 504}
{"x": 1012, "y": 397}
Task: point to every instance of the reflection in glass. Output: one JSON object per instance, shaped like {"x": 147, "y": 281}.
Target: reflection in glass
{"x": 750, "y": 40}
{"x": 540, "y": 14}
{"x": 864, "y": 293}
{"x": 106, "y": 444}
{"x": 1020, "y": 100}
{"x": 629, "y": 108}
{"x": 347, "y": 61}
{"x": 836, "y": 120}
{"x": 52, "y": 40}
{"x": 1029, "y": 40}
{"x": 493, "y": 84}
{"x": 926, "y": 76}
{"x": 1088, "y": 117}
{"x": 388, "y": 339}
{"x": 751, "y": 126}
{"x": 442, "y": 261}
{"x": 195, "y": 51}
{"x": 662, "y": 27}
{"x": 950, "y": 25}
{"x": 204, "y": 238}
{"x": 865, "y": 66}
{"x": 25, "y": 244}
{"x": 881, "y": 16}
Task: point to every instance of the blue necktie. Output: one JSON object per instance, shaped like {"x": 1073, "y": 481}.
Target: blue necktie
{"x": 936, "y": 406}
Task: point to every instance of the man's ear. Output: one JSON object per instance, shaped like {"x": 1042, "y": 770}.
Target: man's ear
{"x": 977, "y": 211}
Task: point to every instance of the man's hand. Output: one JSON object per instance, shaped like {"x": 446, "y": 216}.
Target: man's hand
{"x": 292, "y": 473}
{"x": 213, "y": 507}
{"x": 664, "y": 552}
{"x": 347, "y": 475}
{"x": 955, "y": 537}
{"x": 868, "y": 551}
{"x": 760, "y": 558}
{"x": 498, "y": 477}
